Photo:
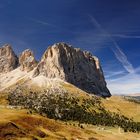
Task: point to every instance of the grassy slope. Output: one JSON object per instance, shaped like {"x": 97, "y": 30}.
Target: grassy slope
{"x": 120, "y": 105}
{"x": 114, "y": 104}
{"x": 18, "y": 124}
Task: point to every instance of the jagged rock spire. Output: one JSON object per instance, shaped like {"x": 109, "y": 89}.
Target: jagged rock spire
{"x": 27, "y": 60}
{"x": 8, "y": 59}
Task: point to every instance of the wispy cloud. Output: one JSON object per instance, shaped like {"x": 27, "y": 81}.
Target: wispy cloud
{"x": 122, "y": 58}
{"x": 126, "y": 84}
{"x": 119, "y": 82}
{"x": 121, "y": 36}
{"x": 119, "y": 54}
{"x": 111, "y": 74}
{"x": 41, "y": 22}
{"x": 56, "y": 28}
{"x": 125, "y": 36}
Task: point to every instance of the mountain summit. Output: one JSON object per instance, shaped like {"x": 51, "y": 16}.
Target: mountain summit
{"x": 27, "y": 61}
{"x": 8, "y": 59}
{"x": 72, "y": 65}
{"x": 60, "y": 61}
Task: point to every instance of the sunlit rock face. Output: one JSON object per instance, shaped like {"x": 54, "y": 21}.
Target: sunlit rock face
{"x": 60, "y": 61}
{"x": 72, "y": 65}
{"x": 8, "y": 59}
{"x": 27, "y": 61}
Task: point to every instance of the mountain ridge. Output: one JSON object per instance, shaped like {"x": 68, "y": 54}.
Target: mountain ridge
{"x": 62, "y": 61}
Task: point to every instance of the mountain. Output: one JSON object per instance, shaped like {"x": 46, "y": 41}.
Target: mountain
{"x": 59, "y": 64}
{"x": 50, "y": 99}
{"x": 8, "y": 59}
{"x": 27, "y": 61}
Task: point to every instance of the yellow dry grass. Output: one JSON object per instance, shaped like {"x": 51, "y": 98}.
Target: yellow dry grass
{"x": 120, "y": 105}
{"x": 73, "y": 90}
{"x": 33, "y": 124}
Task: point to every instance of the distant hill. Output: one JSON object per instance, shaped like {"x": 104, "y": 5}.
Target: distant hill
{"x": 135, "y": 94}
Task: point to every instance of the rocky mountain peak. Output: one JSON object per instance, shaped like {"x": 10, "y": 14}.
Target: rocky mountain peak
{"x": 27, "y": 60}
{"x": 60, "y": 61}
{"x": 8, "y": 59}
{"x": 75, "y": 66}
{"x": 6, "y": 50}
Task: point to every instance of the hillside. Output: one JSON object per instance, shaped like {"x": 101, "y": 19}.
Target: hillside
{"x": 119, "y": 104}
{"x": 18, "y": 123}
{"x": 136, "y": 94}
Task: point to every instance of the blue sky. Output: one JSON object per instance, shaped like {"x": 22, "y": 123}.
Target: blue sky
{"x": 110, "y": 29}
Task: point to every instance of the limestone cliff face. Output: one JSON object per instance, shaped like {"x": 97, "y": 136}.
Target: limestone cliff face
{"x": 8, "y": 59}
{"x": 27, "y": 61}
{"x": 60, "y": 61}
{"x": 78, "y": 67}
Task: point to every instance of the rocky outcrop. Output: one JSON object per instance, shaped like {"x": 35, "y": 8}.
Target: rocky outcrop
{"x": 60, "y": 61}
{"x": 27, "y": 61}
{"x": 8, "y": 59}
{"x": 78, "y": 67}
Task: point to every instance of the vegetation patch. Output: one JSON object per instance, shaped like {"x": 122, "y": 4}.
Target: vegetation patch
{"x": 132, "y": 99}
{"x": 66, "y": 108}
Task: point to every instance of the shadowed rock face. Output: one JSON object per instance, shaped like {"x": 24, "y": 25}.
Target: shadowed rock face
{"x": 8, "y": 59}
{"x": 61, "y": 61}
{"x": 74, "y": 66}
{"x": 27, "y": 61}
